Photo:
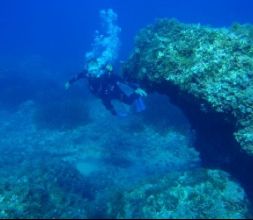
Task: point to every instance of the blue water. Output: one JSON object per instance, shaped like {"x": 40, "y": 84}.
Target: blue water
{"x": 62, "y": 30}
{"x": 61, "y": 152}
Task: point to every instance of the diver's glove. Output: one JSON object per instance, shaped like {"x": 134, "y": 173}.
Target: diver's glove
{"x": 141, "y": 92}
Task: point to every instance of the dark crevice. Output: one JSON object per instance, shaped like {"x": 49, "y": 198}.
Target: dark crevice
{"x": 214, "y": 138}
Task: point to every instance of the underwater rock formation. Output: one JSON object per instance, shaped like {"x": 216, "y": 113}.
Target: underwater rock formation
{"x": 208, "y": 72}
{"x": 56, "y": 172}
{"x": 33, "y": 188}
{"x": 195, "y": 194}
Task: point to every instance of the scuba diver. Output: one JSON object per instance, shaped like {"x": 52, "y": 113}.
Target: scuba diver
{"x": 108, "y": 87}
{"x": 103, "y": 82}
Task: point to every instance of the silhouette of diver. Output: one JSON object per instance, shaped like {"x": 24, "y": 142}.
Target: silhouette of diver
{"x": 107, "y": 88}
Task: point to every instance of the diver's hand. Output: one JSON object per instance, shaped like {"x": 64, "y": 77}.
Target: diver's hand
{"x": 67, "y": 85}
{"x": 141, "y": 92}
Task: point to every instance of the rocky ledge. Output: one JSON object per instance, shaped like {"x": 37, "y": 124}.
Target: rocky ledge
{"x": 206, "y": 71}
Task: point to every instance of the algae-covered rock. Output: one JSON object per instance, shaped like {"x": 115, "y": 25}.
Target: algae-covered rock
{"x": 210, "y": 68}
{"x": 194, "y": 194}
{"x": 33, "y": 188}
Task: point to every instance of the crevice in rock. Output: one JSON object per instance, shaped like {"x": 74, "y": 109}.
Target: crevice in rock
{"x": 214, "y": 138}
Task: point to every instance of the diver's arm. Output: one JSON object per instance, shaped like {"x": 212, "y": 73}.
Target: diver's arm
{"x": 74, "y": 79}
{"x": 77, "y": 77}
{"x": 119, "y": 79}
{"x": 135, "y": 86}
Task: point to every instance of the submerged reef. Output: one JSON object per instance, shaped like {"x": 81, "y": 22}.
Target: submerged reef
{"x": 208, "y": 72}
{"x": 107, "y": 168}
{"x": 33, "y": 188}
{"x": 193, "y": 194}
{"x": 52, "y": 171}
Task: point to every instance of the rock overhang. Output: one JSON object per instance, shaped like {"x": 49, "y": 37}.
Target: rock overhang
{"x": 207, "y": 70}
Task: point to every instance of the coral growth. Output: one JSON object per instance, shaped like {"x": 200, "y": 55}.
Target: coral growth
{"x": 59, "y": 173}
{"x": 196, "y": 194}
{"x": 107, "y": 168}
{"x": 210, "y": 68}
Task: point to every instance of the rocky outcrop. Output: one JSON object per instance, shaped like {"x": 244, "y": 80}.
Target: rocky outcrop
{"x": 196, "y": 194}
{"x": 206, "y": 71}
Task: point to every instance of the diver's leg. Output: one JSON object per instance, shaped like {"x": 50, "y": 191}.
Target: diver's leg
{"x": 107, "y": 103}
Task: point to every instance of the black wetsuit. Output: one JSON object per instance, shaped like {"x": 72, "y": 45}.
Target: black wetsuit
{"x": 107, "y": 89}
